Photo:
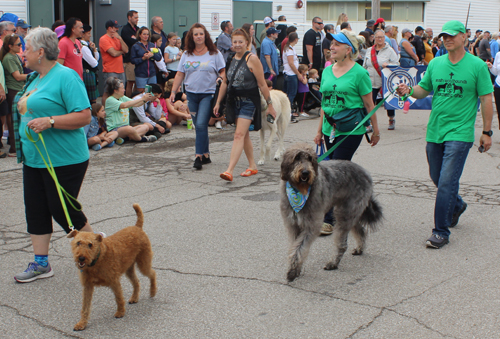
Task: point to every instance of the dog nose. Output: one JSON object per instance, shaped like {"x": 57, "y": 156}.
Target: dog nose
{"x": 305, "y": 172}
{"x": 81, "y": 258}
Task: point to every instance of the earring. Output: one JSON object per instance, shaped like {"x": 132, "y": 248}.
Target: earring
{"x": 39, "y": 60}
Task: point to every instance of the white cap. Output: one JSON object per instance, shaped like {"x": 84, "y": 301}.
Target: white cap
{"x": 268, "y": 20}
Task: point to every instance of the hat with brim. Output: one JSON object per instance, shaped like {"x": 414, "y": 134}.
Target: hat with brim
{"x": 406, "y": 30}
{"x": 452, "y": 28}
{"x": 60, "y": 30}
{"x": 23, "y": 24}
{"x": 272, "y": 30}
{"x": 343, "y": 39}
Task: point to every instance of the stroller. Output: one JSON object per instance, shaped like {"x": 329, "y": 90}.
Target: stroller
{"x": 312, "y": 99}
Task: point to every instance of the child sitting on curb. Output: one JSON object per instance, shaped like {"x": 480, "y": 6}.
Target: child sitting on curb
{"x": 97, "y": 135}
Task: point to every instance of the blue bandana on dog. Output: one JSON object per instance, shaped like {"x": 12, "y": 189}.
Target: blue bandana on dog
{"x": 297, "y": 200}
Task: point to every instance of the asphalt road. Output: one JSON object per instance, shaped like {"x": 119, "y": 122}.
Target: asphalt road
{"x": 220, "y": 249}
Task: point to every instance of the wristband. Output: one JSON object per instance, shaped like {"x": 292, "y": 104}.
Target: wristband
{"x": 411, "y": 91}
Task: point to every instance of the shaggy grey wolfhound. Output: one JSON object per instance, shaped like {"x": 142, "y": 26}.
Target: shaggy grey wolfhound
{"x": 336, "y": 183}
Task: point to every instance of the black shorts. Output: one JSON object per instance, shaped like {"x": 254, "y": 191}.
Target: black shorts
{"x": 4, "y": 108}
{"x": 42, "y": 202}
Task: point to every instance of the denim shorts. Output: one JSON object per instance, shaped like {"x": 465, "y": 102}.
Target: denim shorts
{"x": 142, "y": 82}
{"x": 116, "y": 128}
{"x": 244, "y": 108}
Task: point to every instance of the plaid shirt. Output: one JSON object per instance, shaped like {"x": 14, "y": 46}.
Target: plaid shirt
{"x": 17, "y": 117}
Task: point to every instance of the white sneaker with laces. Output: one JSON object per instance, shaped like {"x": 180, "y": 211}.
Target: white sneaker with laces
{"x": 218, "y": 125}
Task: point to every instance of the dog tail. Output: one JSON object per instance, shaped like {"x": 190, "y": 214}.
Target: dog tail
{"x": 372, "y": 216}
{"x": 140, "y": 215}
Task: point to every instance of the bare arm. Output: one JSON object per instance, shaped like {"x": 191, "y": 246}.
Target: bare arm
{"x": 292, "y": 66}
{"x": 409, "y": 49}
{"x": 179, "y": 78}
{"x": 487, "y": 114}
{"x": 258, "y": 71}
{"x": 318, "y": 139}
{"x": 137, "y": 102}
{"x": 368, "y": 103}
{"x": 123, "y": 44}
{"x": 268, "y": 61}
{"x": 18, "y": 76}
{"x": 68, "y": 121}
{"x": 309, "y": 49}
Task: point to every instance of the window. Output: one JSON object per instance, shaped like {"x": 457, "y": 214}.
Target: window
{"x": 330, "y": 11}
{"x": 385, "y": 11}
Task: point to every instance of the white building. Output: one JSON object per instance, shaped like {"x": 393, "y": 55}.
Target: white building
{"x": 179, "y": 15}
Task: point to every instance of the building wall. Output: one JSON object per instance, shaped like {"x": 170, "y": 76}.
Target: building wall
{"x": 207, "y": 7}
{"x": 17, "y": 7}
{"x": 141, "y": 6}
{"x": 483, "y": 15}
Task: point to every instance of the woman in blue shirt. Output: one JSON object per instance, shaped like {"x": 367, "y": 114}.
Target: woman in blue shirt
{"x": 143, "y": 55}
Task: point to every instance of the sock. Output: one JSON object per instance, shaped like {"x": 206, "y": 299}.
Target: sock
{"x": 42, "y": 260}
{"x": 143, "y": 139}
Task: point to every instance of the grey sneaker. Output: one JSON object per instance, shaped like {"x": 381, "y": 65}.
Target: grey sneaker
{"x": 326, "y": 229}
{"x": 151, "y": 138}
{"x": 454, "y": 220}
{"x": 392, "y": 124}
{"x": 33, "y": 272}
{"x": 435, "y": 241}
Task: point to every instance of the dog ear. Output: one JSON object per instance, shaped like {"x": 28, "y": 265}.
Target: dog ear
{"x": 286, "y": 164}
{"x": 72, "y": 234}
{"x": 98, "y": 237}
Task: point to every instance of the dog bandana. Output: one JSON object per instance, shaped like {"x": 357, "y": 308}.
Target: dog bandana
{"x": 297, "y": 200}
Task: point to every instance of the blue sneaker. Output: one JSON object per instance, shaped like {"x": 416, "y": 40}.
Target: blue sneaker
{"x": 111, "y": 144}
{"x": 119, "y": 141}
{"x": 96, "y": 147}
{"x": 456, "y": 217}
{"x": 33, "y": 272}
{"x": 435, "y": 241}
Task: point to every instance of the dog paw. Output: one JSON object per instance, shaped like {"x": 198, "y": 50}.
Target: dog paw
{"x": 133, "y": 300}
{"x": 292, "y": 275}
{"x": 80, "y": 326}
{"x": 330, "y": 267}
{"x": 260, "y": 162}
{"x": 357, "y": 251}
{"x": 277, "y": 157}
{"x": 119, "y": 314}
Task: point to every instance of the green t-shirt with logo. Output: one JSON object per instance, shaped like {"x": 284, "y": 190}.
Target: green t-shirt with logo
{"x": 343, "y": 93}
{"x": 454, "y": 103}
{"x": 116, "y": 116}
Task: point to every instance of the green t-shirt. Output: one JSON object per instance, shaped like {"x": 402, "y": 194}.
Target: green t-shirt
{"x": 59, "y": 92}
{"x": 11, "y": 63}
{"x": 454, "y": 103}
{"x": 116, "y": 116}
{"x": 343, "y": 93}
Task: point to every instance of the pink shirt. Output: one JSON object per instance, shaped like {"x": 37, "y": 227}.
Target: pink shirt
{"x": 72, "y": 54}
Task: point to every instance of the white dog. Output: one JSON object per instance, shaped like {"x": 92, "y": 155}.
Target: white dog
{"x": 283, "y": 110}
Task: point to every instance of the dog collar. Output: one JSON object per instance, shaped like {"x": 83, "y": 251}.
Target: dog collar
{"x": 95, "y": 260}
{"x": 297, "y": 200}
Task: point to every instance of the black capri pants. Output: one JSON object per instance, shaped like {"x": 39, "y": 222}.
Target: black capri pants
{"x": 42, "y": 202}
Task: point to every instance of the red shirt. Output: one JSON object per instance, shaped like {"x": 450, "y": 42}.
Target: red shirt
{"x": 111, "y": 64}
{"x": 71, "y": 52}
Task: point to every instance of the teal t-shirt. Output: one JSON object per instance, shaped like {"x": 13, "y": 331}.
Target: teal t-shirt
{"x": 116, "y": 116}
{"x": 343, "y": 93}
{"x": 454, "y": 103}
{"x": 59, "y": 92}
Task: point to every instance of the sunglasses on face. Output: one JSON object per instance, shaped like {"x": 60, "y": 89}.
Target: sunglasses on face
{"x": 319, "y": 23}
{"x": 19, "y": 44}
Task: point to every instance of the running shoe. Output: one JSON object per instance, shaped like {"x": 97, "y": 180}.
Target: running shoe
{"x": 33, "y": 272}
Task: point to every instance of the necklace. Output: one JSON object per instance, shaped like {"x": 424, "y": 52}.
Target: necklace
{"x": 201, "y": 51}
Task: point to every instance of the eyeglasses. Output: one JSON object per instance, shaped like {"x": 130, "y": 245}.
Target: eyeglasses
{"x": 77, "y": 49}
{"x": 19, "y": 44}
{"x": 319, "y": 23}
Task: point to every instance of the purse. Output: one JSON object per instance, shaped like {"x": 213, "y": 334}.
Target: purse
{"x": 347, "y": 120}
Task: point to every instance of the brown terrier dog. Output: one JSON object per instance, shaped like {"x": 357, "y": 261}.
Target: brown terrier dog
{"x": 102, "y": 261}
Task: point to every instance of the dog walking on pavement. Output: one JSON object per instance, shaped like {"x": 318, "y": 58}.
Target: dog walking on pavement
{"x": 102, "y": 262}
{"x": 309, "y": 190}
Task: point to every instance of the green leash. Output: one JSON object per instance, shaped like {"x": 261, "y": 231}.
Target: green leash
{"x": 60, "y": 190}
{"x": 361, "y": 123}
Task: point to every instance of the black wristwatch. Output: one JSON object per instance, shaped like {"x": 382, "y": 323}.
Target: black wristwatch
{"x": 488, "y": 133}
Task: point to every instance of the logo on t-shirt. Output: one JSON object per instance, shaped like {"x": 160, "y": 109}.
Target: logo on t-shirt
{"x": 449, "y": 88}
{"x": 333, "y": 99}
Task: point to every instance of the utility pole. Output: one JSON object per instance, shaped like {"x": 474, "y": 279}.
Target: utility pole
{"x": 375, "y": 9}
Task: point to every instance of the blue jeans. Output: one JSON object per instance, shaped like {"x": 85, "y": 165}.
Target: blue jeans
{"x": 344, "y": 152}
{"x": 446, "y": 164}
{"x": 406, "y": 62}
{"x": 200, "y": 106}
{"x": 291, "y": 86}
{"x": 142, "y": 82}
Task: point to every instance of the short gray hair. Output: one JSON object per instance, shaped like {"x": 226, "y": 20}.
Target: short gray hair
{"x": 5, "y": 24}
{"x": 387, "y": 28}
{"x": 42, "y": 37}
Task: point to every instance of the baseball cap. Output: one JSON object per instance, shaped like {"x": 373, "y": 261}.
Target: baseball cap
{"x": 419, "y": 28}
{"x": 379, "y": 20}
{"x": 479, "y": 31}
{"x": 452, "y": 28}
{"x": 9, "y": 17}
{"x": 487, "y": 32}
{"x": 60, "y": 30}
{"x": 406, "y": 30}
{"x": 343, "y": 39}
{"x": 22, "y": 23}
{"x": 272, "y": 30}
{"x": 370, "y": 22}
{"x": 268, "y": 20}
{"x": 112, "y": 23}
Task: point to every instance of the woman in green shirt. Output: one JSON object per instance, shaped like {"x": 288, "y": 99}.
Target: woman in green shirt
{"x": 345, "y": 85}
{"x": 14, "y": 80}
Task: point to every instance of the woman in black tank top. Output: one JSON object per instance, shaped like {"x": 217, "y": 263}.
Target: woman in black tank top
{"x": 245, "y": 77}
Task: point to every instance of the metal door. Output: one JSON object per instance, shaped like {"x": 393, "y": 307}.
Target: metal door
{"x": 178, "y": 15}
{"x": 248, "y": 11}
{"x": 41, "y": 13}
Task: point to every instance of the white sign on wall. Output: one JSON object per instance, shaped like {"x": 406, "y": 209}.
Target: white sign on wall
{"x": 215, "y": 21}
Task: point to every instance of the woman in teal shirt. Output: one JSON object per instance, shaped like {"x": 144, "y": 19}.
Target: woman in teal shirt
{"x": 53, "y": 103}
{"x": 345, "y": 85}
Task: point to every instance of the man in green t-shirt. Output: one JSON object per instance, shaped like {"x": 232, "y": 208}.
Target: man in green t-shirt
{"x": 458, "y": 79}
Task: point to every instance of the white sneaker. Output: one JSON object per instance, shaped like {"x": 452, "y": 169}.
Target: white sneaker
{"x": 218, "y": 125}
{"x": 304, "y": 114}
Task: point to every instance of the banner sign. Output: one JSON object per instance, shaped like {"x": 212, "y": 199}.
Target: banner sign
{"x": 392, "y": 76}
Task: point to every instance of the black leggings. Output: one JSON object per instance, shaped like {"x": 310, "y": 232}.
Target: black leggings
{"x": 496, "y": 93}
{"x": 390, "y": 112}
{"x": 42, "y": 202}
{"x": 301, "y": 100}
